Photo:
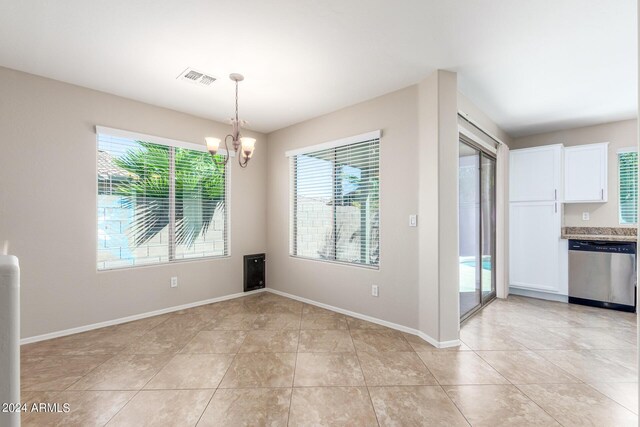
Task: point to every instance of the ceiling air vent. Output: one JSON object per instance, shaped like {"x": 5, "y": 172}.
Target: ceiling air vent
{"x": 196, "y": 77}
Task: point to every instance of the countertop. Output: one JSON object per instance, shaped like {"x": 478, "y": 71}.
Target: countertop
{"x": 606, "y": 234}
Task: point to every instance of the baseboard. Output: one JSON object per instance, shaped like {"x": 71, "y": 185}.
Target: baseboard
{"x": 113, "y": 322}
{"x": 537, "y": 294}
{"x": 402, "y": 328}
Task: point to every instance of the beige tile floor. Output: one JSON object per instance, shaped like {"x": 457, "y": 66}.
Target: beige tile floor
{"x": 268, "y": 360}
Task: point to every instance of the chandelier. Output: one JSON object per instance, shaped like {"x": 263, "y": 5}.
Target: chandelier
{"x": 239, "y": 143}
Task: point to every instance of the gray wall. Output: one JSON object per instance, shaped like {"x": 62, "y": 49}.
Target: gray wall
{"x": 418, "y": 274}
{"x": 438, "y": 281}
{"x": 465, "y": 105}
{"x": 349, "y": 287}
{"x": 620, "y": 134}
{"x": 48, "y": 206}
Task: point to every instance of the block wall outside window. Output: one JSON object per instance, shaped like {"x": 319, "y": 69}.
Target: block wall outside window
{"x": 158, "y": 204}
{"x": 335, "y": 204}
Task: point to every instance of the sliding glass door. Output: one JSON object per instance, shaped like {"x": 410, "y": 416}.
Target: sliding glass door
{"x": 469, "y": 228}
{"x": 477, "y": 227}
{"x": 488, "y": 226}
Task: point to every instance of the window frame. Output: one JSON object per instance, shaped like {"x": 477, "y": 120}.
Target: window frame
{"x": 292, "y": 155}
{"x": 172, "y": 144}
{"x": 626, "y": 150}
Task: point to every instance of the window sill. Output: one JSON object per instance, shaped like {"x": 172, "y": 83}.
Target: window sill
{"x": 342, "y": 263}
{"x": 165, "y": 264}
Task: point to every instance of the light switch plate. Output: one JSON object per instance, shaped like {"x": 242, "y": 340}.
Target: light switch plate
{"x": 413, "y": 220}
{"x": 174, "y": 282}
{"x": 585, "y": 216}
{"x": 374, "y": 290}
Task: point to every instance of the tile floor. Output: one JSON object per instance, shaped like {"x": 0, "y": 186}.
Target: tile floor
{"x": 268, "y": 360}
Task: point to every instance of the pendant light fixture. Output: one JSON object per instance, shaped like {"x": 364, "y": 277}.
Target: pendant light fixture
{"x": 239, "y": 143}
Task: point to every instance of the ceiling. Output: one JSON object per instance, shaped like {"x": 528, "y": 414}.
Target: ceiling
{"x": 532, "y": 66}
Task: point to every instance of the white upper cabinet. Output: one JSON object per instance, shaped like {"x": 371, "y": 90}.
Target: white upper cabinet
{"x": 535, "y": 174}
{"x": 585, "y": 173}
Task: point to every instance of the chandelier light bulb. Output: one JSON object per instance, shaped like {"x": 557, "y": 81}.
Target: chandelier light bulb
{"x": 248, "y": 145}
{"x": 212, "y": 144}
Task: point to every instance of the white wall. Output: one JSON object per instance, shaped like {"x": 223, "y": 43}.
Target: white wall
{"x": 620, "y": 134}
{"x": 48, "y": 206}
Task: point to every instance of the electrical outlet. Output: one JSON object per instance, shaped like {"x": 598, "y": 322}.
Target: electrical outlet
{"x": 585, "y": 216}
{"x": 374, "y": 290}
{"x": 174, "y": 282}
{"x": 413, "y": 220}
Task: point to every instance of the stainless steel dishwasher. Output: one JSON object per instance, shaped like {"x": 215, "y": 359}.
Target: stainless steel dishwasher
{"x": 603, "y": 274}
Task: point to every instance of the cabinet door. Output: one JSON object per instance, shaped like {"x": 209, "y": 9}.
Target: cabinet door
{"x": 535, "y": 258}
{"x": 585, "y": 168}
{"x": 535, "y": 174}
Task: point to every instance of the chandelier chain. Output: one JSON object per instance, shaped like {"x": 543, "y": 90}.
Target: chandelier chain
{"x": 243, "y": 147}
{"x": 236, "y": 102}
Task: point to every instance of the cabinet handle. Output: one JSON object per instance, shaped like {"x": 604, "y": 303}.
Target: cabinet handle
{"x": 555, "y": 194}
{"x": 602, "y": 194}
{"x": 555, "y": 207}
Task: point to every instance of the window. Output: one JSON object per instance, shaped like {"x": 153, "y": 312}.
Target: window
{"x": 158, "y": 201}
{"x": 628, "y": 186}
{"x": 335, "y": 202}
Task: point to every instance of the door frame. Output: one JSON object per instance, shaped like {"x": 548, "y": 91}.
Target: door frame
{"x": 484, "y": 152}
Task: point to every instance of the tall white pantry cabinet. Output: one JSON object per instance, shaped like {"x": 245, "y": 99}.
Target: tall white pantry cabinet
{"x": 537, "y": 254}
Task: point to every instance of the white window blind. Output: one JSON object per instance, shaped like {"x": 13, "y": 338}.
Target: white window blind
{"x": 335, "y": 203}
{"x": 628, "y": 186}
{"x": 158, "y": 203}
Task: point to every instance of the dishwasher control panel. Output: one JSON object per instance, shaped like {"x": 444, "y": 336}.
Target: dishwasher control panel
{"x": 596, "y": 246}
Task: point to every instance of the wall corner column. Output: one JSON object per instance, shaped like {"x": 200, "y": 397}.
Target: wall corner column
{"x": 438, "y": 280}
